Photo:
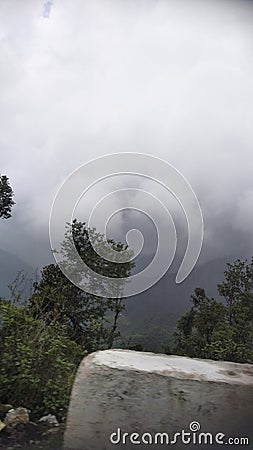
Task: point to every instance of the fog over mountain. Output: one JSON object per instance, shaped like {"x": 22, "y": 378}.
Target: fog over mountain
{"x": 169, "y": 78}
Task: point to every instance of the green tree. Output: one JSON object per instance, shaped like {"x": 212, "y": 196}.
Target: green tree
{"x": 237, "y": 289}
{"x": 57, "y": 300}
{"x": 220, "y": 330}
{"x": 6, "y": 197}
{"x": 91, "y": 320}
{"x": 196, "y": 328}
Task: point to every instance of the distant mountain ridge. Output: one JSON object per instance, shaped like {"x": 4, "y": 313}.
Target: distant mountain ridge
{"x": 152, "y": 315}
{"x": 166, "y": 295}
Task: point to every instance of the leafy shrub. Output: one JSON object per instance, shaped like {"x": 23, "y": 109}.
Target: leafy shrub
{"x": 38, "y": 362}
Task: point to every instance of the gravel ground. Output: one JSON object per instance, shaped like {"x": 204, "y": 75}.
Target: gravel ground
{"x": 52, "y": 442}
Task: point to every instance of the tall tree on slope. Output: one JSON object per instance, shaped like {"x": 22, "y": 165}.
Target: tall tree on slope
{"x": 6, "y": 197}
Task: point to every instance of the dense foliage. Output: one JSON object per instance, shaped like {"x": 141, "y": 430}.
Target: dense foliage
{"x": 220, "y": 330}
{"x": 43, "y": 341}
{"x": 38, "y": 362}
{"x": 6, "y": 197}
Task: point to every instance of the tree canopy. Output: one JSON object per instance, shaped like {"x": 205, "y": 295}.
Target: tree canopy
{"x": 220, "y": 330}
{"x": 90, "y": 320}
{"x": 6, "y": 197}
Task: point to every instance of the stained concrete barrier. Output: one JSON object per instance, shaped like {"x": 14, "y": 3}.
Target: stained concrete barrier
{"x": 124, "y": 399}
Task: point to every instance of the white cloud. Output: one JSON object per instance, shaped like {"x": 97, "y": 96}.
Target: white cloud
{"x": 170, "y": 78}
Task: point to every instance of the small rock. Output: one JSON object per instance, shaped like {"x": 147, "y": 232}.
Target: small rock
{"x": 17, "y": 416}
{"x": 49, "y": 420}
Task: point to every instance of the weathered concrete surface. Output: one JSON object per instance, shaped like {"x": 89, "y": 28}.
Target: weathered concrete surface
{"x": 137, "y": 392}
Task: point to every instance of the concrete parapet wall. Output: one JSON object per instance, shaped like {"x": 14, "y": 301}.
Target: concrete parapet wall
{"x": 121, "y": 391}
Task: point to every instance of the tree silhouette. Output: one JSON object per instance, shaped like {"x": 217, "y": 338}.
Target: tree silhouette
{"x": 6, "y": 197}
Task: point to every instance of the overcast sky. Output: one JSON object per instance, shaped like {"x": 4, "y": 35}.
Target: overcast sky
{"x": 169, "y": 78}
